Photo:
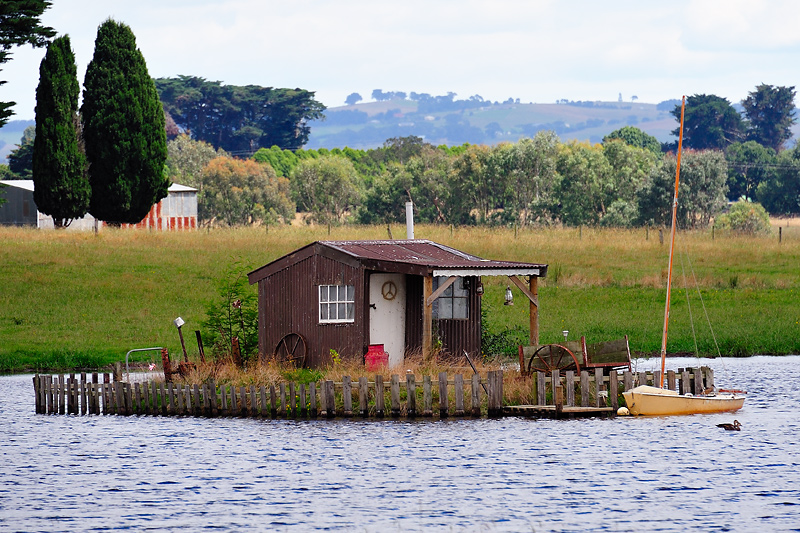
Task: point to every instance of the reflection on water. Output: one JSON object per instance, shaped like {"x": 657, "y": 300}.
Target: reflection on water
{"x": 82, "y": 473}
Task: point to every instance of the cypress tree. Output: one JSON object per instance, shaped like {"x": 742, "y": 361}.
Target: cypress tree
{"x": 61, "y": 184}
{"x": 123, "y": 128}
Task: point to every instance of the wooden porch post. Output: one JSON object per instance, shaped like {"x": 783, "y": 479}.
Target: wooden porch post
{"x": 534, "y": 314}
{"x": 427, "y": 317}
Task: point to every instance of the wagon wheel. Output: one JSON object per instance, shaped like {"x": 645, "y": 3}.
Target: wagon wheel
{"x": 553, "y": 357}
{"x": 291, "y": 349}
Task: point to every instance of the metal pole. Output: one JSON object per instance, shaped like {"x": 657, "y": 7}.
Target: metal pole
{"x": 410, "y": 220}
{"x": 127, "y": 370}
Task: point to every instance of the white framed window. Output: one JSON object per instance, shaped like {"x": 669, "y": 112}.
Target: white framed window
{"x": 453, "y": 302}
{"x": 337, "y": 304}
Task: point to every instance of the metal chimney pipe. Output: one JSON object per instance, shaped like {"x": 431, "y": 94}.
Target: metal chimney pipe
{"x": 410, "y": 220}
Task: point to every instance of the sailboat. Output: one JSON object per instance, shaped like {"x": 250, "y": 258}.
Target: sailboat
{"x": 658, "y": 401}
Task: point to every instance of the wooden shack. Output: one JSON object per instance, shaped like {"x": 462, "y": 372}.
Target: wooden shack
{"x": 410, "y": 296}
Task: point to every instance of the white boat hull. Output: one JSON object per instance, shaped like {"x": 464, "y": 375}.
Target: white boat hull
{"x": 652, "y": 401}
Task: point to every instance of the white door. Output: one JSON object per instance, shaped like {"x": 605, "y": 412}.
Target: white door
{"x": 387, "y": 314}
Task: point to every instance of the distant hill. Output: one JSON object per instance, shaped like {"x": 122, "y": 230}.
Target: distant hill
{"x": 368, "y": 125}
{"x": 443, "y": 121}
{"x": 10, "y": 135}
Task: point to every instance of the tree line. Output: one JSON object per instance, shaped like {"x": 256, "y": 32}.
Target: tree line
{"x": 625, "y": 181}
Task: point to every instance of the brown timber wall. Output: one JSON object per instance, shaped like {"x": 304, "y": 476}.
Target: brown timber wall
{"x": 288, "y": 303}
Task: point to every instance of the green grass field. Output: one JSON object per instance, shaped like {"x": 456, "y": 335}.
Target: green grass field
{"x": 72, "y": 299}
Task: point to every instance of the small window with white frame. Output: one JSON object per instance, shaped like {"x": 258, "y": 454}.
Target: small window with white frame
{"x": 337, "y": 304}
{"x": 453, "y": 303}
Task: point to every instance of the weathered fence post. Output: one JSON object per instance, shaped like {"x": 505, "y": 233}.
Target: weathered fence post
{"x": 558, "y": 393}
{"x": 37, "y": 402}
{"x": 598, "y": 386}
{"x": 427, "y": 396}
{"x": 347, "y": 395}
{"x": 128, "y": 399}
{"x": 541, "y": 388}
{"x": 178, "y": 397}
{"x": 709, "y": 372}
{"x": 395, "y": 395}
{"x": 584, "y": 388}
{"x": 303, "y": 406}
{"x": 698, "y": 381}
{"x": 162, "y": 390}
{"x": 613, "y": 389}
{"x": 495, "y": 382}
{"x": 363, "y": 397}
{"x": 411, "y": 391}
{"x": 686, "y": 385}
{"x": 444, "y": 408}
{"x": 293, "y": 400}
{"x": 458, "y": 382}
{"x": 212, "y": 396}
{"x": 313, "y": 398}
{"x": 243, "y": 411}
{"x": 330, "y": 399}
{"x": 380, "y": 401}
{"x": 570, "y": 376}
{"x": 84, "y": 407}
{"x": 263, "y": 409}
{"x": 196, "y": 405}
{"x": 476, "y": 395}
{"x": 106, "y": 393}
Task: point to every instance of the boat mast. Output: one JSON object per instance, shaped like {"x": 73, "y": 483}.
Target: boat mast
{"x": 672, "y": 245}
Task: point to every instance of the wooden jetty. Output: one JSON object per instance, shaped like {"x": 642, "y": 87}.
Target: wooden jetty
{"x": 588, "y": 394}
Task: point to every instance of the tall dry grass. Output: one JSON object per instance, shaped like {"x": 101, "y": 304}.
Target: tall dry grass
{"x": 72, "y": 299}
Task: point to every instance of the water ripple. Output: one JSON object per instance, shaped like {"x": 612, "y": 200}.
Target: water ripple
{"x": 104, "y": 473}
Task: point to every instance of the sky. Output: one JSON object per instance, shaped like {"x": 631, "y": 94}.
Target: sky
{"x": 535, "y": 50}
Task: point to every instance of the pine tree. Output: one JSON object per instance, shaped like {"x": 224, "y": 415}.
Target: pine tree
{"x": 123, "y": 128}
{"x": 61, "y": 184}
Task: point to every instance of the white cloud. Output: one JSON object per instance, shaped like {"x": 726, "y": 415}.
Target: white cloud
{"x": 534, "y": 50}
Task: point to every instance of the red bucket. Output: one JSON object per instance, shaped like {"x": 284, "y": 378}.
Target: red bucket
{"x": 376, "y": 357}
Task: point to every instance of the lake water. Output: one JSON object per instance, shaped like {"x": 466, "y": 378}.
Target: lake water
{"x": 99, "y": 473}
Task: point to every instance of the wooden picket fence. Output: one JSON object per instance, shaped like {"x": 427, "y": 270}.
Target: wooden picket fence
{"x": 585, "y": 394}
{"x": 75, "y": 395}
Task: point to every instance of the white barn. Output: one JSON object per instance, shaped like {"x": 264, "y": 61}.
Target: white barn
{"x": 177, "y": 211}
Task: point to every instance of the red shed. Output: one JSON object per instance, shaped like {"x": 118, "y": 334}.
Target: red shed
{"x": 403, "y": 294}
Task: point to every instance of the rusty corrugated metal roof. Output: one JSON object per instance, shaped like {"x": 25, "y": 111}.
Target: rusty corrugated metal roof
{"x": 420, "y": 252}
{"x": 418, "y": 257}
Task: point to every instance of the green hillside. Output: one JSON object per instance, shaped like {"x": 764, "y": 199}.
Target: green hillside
{"x": 368, "y": 125}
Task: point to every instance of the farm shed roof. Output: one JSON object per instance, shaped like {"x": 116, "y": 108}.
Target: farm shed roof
{"x": 28, "y": 186}
{"x": 417, "y": 257}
